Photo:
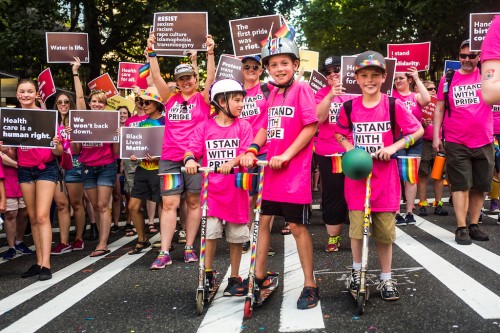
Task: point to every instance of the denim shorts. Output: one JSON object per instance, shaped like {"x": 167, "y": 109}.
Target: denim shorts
{"x": 75, "y": 175}
{"x": 103, "y": 175}
{"x": 33, "y": 174}
{"x": 413, "y": 150}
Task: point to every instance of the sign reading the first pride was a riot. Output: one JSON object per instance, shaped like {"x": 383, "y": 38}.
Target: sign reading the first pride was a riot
{"x": 349, "y": 81}
{"x": 62, "y": 47}
{"x": 180, "y": 31}
{"x": 410, "y": 55}
{"x": 479, "y": 25}
{"x": 94, "y": 126}
{"x": 229, "y": 67}
{"x": 28, "y": 128}
{"x": 250, "y": 33}
{"x": 140, "y": 141}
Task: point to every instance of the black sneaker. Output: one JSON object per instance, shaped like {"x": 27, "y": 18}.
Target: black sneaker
{"x": 45, "y": 274}
{"x": 388, "y": 290}
{"x": 308, "y": 299}
{"x": 210, "y": 276}
{"x": 400, "y": 220}
{"x": 462, "y": 237}
{"x": 354, "y": 282}
{"x": 231, "y": 282}
{"x": 114, "y": 229}
{"x": 422, "y": 211}
{"x": 245, "y": 247}
{"x": 440, "y": 211}
{"x": 409, "y": 219}
{"x": 32, "y": 271}
{"x": 477, "y": 234}
{"x": 241, "y": 289}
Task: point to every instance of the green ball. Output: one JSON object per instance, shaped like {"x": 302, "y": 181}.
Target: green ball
{"x": 357, "y": 164}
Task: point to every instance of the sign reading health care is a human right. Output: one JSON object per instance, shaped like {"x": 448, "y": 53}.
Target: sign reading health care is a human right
{"x": 410, "y": 55}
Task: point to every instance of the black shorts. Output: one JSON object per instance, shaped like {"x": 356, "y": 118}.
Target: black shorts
{"x": 146, "y": 185}
{"x": 294, "y": 213}
{"x": 333, "y": 204}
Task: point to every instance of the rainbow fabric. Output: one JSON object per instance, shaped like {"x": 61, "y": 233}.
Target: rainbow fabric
{"x": 171, "y": 181}
{"x": 245, "y": 181}
{"x": 144, "y": 71}
{"x": 337, "y": 163}
{"x": 408, "y": 168}
{"x": 269, "y": 37}
{"x": 285, "y": 31}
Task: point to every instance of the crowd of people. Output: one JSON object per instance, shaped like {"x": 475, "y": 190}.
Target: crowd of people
{"x": 274, "y": 122}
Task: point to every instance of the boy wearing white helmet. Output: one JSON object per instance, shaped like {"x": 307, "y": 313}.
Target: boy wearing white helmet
{"x": 220, "y": 142}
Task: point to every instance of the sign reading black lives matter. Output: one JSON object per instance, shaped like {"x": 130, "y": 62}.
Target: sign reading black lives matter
{"x": 229, "y": 67}
{"x": 479, "y": 25}
{"x": 140, "y": 141}
{"x": 63, "y": 46}
{"x": 349, "y": 82}
{"x": 180, "y": 31}
{"x": 28, "y": 127}
{"x": 94, "y": 126}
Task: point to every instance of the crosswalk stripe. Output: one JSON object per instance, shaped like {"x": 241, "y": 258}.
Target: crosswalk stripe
{"x": 480, "y": 299}
{"x": 479, "y": 254}
{"x": 293, "y": 319}
{"x": 50, "y": 310}
{"x": 36, "y": 288}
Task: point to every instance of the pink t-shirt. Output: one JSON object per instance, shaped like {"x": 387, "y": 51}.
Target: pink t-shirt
{"x": 411, "y": 103}
{"x": 288, "y": 115}
{"x": 2, "y": 174}
{"x": 471, "y": 120}
{"x": 97, "y": 154}
{"x": 254, "y": 110}
{"x": 181, "y": 119}
{"x": 218, "y": 145}
{"x": 134, "y": 120}
{"x": 490, "y": 49}
{"x": 326, "y": 143}
{"x": 32, "y": 157}
{"x": 373, "y": 131}
{"x": 12, "y": 188}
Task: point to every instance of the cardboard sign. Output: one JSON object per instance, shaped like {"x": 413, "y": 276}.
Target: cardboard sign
{"x": 116, "y": 101}
{"x": 46, "y": 85}
{"x": 349, "y": 82}
{"x": 128, "y": 76}
{"x": 479, "y": 25}
{"x": 105, "y": 84}
{"x": 62, "y": 47}
{"x": 180, "y": 31}
{"x": 229, "y": 67}
{"x": 94, "y": 126}
{"x": 317, "y": 81}
{"x": 308, "y": 60}
{"x": 140, "y": 141}
{"x": 428, "y": 110}
{"x": 248, "y": 33}
{"x": 28, "y": 128}
{"x": 410, "y": 55}
{"x": 453, "y": 64}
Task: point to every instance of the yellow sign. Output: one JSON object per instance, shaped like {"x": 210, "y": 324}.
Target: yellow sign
{"x": 116, "y": 101}
{"x": 308, "y": 60}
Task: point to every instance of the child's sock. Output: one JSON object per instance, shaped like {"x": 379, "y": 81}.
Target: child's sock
{"x": 356, "y": 266}
{"x": 385, "y": 276}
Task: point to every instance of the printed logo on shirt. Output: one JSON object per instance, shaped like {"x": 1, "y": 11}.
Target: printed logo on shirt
{"x": 250, "y": 107}
{"x": 221, "y": 151}
{"x": 91, "y": 144}
{"x": 409, "y": 105}
{"x": 496, "y": 108}
{"x": 180, "y": 112}
{"x": 334, "y": 112}
{"x": 466, "y": 94}
{"x": 369, "y": 135}
{"x": 274, "y": 128}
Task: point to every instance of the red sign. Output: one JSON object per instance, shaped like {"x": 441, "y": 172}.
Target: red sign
{"x": 428, "y": 110}
{"x": 410, "y": 55}
{"x": 105, "y": 84}
{"x": 46, "y": 86}
{"x": 128, "y": 76}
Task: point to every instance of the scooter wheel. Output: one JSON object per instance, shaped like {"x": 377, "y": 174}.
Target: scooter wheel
{"x": 247, "y": 310}
{"x": 199, "y": 303}
{"x": 361, "y": 300}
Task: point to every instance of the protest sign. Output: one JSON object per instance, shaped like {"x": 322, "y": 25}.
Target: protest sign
{"x": 317, "y": 81}
{"x": 104, "y": 83}
{"x": 28, "y": 128}
{"x": 172, "y": 53}
{"x": 46, "y": 85}
{"x": 128, "y": 76}
{"x": 349, "y": 82}
{"x": 410, "y": 55}
{"x": 428, "y": 110}
{"x": 308, "y": 60}
{"x": 229, "y": 67}
{"x": 478, "y": 27}
{"x": 180, "y": 31}
{"x": 94, "y": 126}
{"x": 248, "y": 33}
{"x": 116, "y": 101}
{"x": 452, "y": 64}
{"x": 62, "y": 47}
{"x": 140, "y": 141}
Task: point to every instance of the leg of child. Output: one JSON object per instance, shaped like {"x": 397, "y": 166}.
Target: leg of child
{"x": 384, "y": 252}
{"x": 151, "y": 208}
{"x": 10, "y": 219}
{"x": 264, "y": 240}
{"x": 410, "y": 194}
{"x": 236, "y": 235}
{"x": 305, "y": 251}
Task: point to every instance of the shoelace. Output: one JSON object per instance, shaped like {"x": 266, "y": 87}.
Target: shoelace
{"x": 333, "y": 239}
{"x": 387, "y": 284}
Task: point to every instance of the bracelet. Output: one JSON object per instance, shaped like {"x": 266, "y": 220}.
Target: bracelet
{"x": 151, "y": 54}
{"x": 210, "y": 53}
{"x": 76, "y": 74}
{"x": 407, "y": 142}
{"x": 253, "y": 149}
{"x": 188, "y": 158}
{"x": 342, "y": 139}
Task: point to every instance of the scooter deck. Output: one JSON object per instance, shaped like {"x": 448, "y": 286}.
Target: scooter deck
{"x": 264, "y": 293}
{"x": 212, "y": 293}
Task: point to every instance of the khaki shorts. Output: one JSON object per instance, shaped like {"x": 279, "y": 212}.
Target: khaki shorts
{"x": 235, "y": 233}
{"x": 15, "y": 204}
{"x": 383, "y": 226}
{"x": 427, "y": 160}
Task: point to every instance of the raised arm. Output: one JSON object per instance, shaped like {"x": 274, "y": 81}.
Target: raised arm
{"x": 80, "y": 98}
{"x": 210, "y": 68}
{"x": 154, "y": 68}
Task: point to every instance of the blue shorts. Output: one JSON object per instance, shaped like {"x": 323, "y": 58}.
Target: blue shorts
{"x": 75, "y": 175}
{"x": 104, "y": 175}
{"x": 255, "y": 187}
{"x": 33, "y": 174}
{"x": 414, "y": 150}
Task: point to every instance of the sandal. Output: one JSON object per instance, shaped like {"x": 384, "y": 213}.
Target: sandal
{"x": 151, "y": 229}
{"x": 286, "y": 230}
{"x": 131, "y": 232}
{"x": 137, "y": 250}
{"x": 99, "y": 253}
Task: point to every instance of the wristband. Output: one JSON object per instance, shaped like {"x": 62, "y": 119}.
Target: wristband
{"x": 342, "y": 139}
{"x": 76, "y": 74}
{"x": 151, "y": 54}
{"x": 187, "y": 158}
{"x": 253, "y": 149}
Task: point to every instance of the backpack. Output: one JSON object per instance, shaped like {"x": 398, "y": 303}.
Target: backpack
{"x": 446, "y": 88}
{"x": 265, "y": 90}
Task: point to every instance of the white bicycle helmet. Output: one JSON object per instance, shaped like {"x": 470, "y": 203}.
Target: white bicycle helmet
{"x": 224, "y": 87}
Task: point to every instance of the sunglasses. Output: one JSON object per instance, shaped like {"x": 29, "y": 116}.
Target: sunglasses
{"x": 465, "y": 55}
{"x": 431, "y": 88}
{"x": 335, "y": 70}
{"x": 145, "y": 102}
{"x": 254, "y": 67}
{"x": 61, "y": 101}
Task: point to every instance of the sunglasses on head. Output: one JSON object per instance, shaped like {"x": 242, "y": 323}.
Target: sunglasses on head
{"x": 63, "y": 101}
{"x": 465, "y": 55}
{"x": 431, "y": 88}
{"x": 254, "y": 67}
{"x": 145, "y": 102}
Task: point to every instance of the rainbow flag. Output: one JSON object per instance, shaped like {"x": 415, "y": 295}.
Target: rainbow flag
{"x": 144, "y": 71}
{"x": 337, "y": 163}
{"x": 285, "y": 31}
{"x": 269, "y": 37}
{"x": 245, "y": 181}
{"x": 171, "y": 180}
{"x": 408, "y": 168}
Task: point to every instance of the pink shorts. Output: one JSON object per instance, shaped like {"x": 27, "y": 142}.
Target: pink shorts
{"x": 15, "y": 204}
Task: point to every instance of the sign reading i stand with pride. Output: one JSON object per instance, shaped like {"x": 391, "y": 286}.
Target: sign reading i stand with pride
{"x": 30, "y": 128}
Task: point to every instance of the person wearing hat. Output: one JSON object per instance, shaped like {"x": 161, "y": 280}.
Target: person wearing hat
{"x": 490, "y": 63}
{"x": 185, "y": 109}
{"x": 371, "y": 124}
{"x": 468, "y": 129}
